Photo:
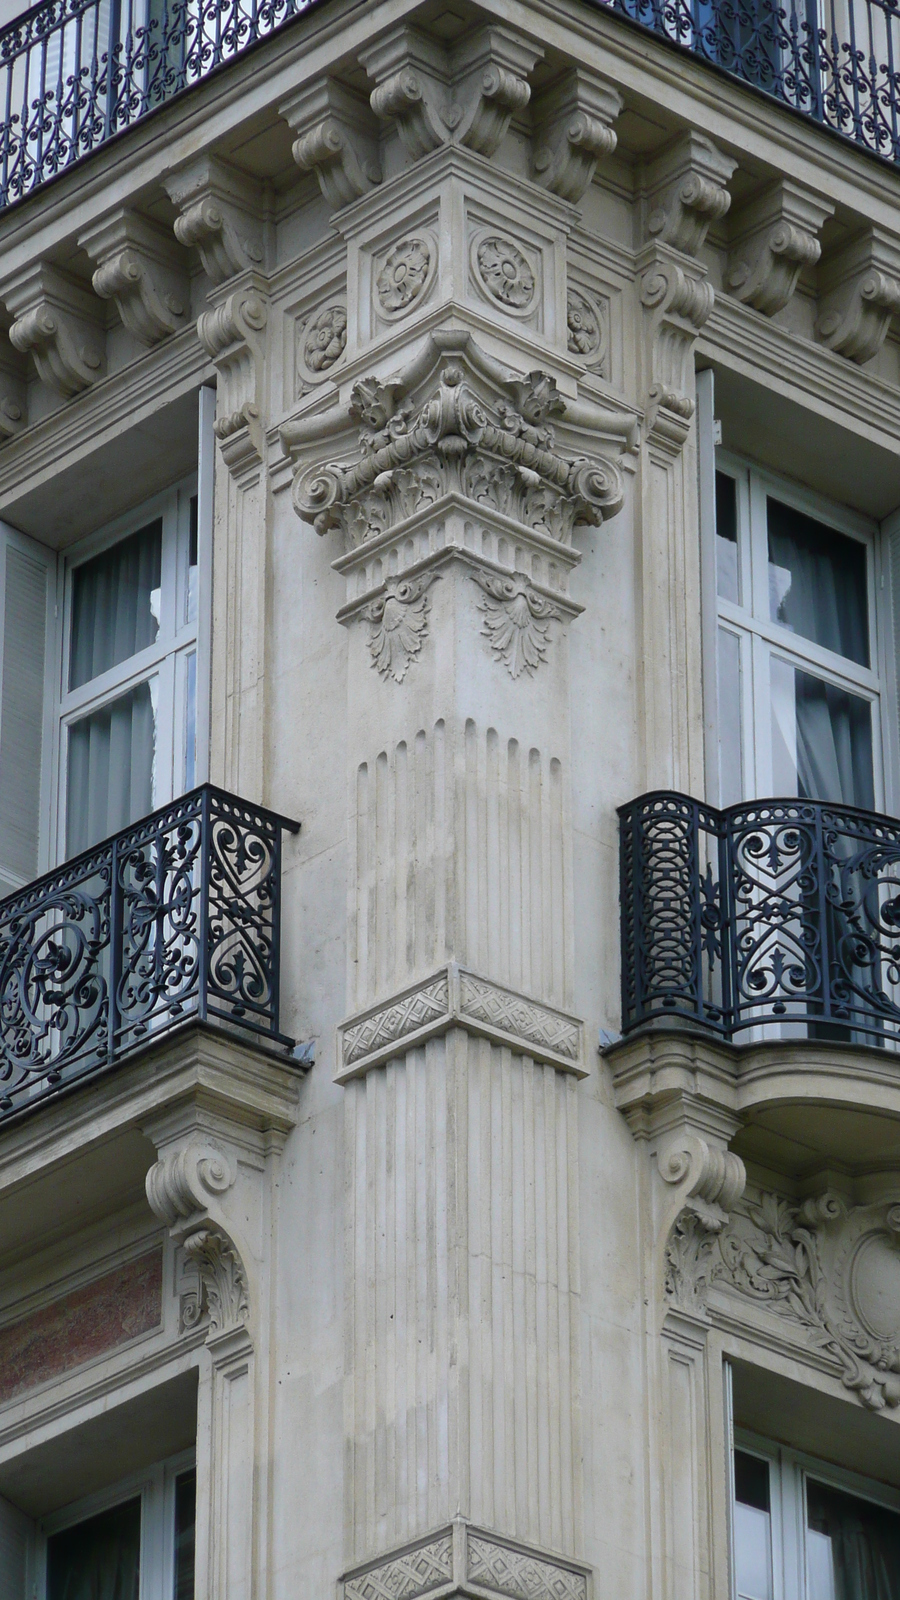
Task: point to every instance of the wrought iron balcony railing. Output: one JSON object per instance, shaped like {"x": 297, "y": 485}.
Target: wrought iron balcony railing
{"x": 175, "y": 919}
{"x": 777, "y": 916}
{"x": 77, "y": 72}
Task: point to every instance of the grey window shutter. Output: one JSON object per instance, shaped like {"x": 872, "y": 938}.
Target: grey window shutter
{"x": 15, "y": 1529}
{"x": 26, "y": 568}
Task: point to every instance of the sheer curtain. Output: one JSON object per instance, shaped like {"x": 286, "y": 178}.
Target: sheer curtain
{"x": 865, "y": 1544}
{"x": 99, "y": 1559}
{"x": 115, "y": 605}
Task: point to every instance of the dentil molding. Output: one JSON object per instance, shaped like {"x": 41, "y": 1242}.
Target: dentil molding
{"x": 456, "y": 998}
{"x": 462, "y": 1559}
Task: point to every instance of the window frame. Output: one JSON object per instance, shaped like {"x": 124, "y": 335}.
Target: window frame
{"x": 760, "y": 639}
{"x": 788, "y": 1472}
{"x": 166, "y": 658}
{"x": 155, "y": 1485}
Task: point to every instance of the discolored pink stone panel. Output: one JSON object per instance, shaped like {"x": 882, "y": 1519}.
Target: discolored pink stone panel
{"x": 87, "y": 1322}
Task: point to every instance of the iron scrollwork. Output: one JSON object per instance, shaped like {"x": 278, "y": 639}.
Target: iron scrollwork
{"x": 176, "y": 918}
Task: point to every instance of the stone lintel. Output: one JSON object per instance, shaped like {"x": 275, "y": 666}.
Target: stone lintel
{"x": 456, "y": 998}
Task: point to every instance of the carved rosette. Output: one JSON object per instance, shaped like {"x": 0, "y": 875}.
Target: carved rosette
{"x": 404, "y": 275}
{"x": 321, "y": 339}
{"x": 504, "y": 274}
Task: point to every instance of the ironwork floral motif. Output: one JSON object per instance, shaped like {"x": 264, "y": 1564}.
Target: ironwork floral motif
{"x": 516, "y": 620}
{"x": 405, "y": 275}
{"x": 504, "y": 273}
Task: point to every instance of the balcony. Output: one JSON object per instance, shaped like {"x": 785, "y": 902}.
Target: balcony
{"x": 175, "y": 920}
{"x": 761, "y": 977}
{"x": 75, "y": 73}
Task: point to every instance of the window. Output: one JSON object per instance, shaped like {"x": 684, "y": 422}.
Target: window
{"x": 801, "y": 1531}
{"x": 799, "y": 690}
{"x": 134, "y": 1542}
{"x": 127, "y": 712}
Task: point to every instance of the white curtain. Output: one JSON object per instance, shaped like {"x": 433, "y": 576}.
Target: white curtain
{"x": 111, "y": 768}
{"x": 115, "y": 605}
{"x": 865, "y": 1543}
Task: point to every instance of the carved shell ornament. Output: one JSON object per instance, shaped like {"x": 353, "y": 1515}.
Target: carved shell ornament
{"x": 324, "y": 338}
{"x": 504, "y": 273}
{"x": 404, "y": 275}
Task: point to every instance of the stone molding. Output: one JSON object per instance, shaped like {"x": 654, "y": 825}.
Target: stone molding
{"x": 232, "y": 333}
{"x": 465, "y": 96}
{"x": 219, "y": 216}
{"x": 139, "y": 267}
{"x": 336, "y": 137}
{"x": 859, "y": 293}
{"x": 59, "y": 324}
{"x": 573, "y": 131}
{"x": 456, "y": 998}
{"x": 774, "y": 238}
{"x": 684, "y": 191}
{"x": 186, "y": 1189}
{"x": 467, "y": 1560}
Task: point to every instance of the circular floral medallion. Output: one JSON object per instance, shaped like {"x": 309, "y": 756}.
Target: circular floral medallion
{"x": 504, "y": 273}
{"x": 324, "y": 338}
{"x": 583, "y": 321}
{"x": 404, "y": 275}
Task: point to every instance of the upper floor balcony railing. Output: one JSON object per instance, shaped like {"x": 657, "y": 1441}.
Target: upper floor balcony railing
{"x": 77, "y": 72}
{"x": 175, "y": 919}
{"x": 777, "y": 917}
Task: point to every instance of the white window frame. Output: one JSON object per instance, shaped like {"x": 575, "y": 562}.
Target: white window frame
{"x": 167, "y": 657}
{"x": 788, "y": 1471}
{"x": 761, "y": 639}
{"x": 156, "y": 1487}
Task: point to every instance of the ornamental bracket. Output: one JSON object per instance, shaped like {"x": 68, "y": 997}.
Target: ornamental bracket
{"x": 859, "y": 293}
{"x": 336, "y": 137}
{"x": 685, "y": 192}
{"x": 774, "y": 238}
{"x": 142, "y": 270}
{"x": 59, "y": 324}
{"x": 219, "y": 209}
{"x": 574, "y": 123}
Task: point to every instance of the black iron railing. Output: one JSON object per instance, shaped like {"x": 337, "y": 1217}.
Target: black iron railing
{"x": 778, "y": 915}
{"x": 175, "y": 919}
{"x": 77, "y": 72}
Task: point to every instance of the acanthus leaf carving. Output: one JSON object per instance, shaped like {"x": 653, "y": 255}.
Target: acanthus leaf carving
{"x": 398, "y": 624}
{"x": 685, "y": 192}
{"x": 185, "y": 1189}
{"x": 574, "y": 130}
{"x": 774, "y": 239}
{"x": 516, "y": 620}
{"x": 711, "y": 1180}
{"x": 222, "y": 1275}
{"x": 335, "y": 136}
{"x": 219, "y": 215}
{"x": 57, "y": 323}
{"x": 859, "y": 293}
{"x": 141, "y": 269}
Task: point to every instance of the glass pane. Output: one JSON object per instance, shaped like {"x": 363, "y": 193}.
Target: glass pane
{"x": 190, "y": 721}
{"x": 817, "y": 583}
{"x": 727, "y": 577}
{"x": 98, "y": 1559}
{"x": 821, "y": 739}
{"x": 111, "y": 769}
{"x": 185, "y": 1516}
{"x": 115, "y": 604}
{"x": 752, "y": 1528}
{"x": 190, "y": 599}
{"x": 731, "y": 766}
{"x": 862, "y": 1541}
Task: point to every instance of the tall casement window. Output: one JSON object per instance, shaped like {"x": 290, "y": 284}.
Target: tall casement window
{"x": 127, "y": 710}
{"x": 799, "y": 686}
{"x": 801, "y": 1531}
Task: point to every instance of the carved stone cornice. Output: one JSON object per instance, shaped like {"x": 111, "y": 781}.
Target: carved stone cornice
{"x": 457, "y": 998}
{"x": 336, "y": 137}
{"x": 219, "y": 216}
{"x": 232, "y": 333}
{"x": 677, "y": 300}
{"x": 573, "y": 131}
{"x": 142, "y": 270}
{"x": 684, "y": 191}
{"x": 59, "y": 324}
{"x": 467, "y": 96}
{"x": 859, "y": 293}
{"x": 773, "y": 239}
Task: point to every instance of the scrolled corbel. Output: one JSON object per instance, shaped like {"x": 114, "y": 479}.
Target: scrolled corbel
{"x": 574, "y": 124}
{"x": 859, "y": 293}
{"x": 335, "y": 137}
{"x": 181, "y": 1184}
{"x": 685, "y": 192}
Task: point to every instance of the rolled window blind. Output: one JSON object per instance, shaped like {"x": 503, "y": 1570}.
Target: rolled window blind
{"x": 25, "y": 569}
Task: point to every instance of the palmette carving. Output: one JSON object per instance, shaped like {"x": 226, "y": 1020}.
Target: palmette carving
{"x": 516, "y": 621}
{"x": 222, "y": 1275}
{"x": 398, "y": 623}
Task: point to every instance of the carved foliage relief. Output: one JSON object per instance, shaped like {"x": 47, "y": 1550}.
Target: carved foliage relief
{"x": 404, "y": 275}
{"x": 504, "y": 274}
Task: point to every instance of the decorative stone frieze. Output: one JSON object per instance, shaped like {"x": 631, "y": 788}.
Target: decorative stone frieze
{"x": 773, "y": 239}
{"x": 456, "y": 998}
{"x": 219, "y": 209}
{"x": 859, "y": 293}
{"x": 467, "y": 96}
{"x": 677, "y": 299}
{"x": 573, "y": 131}
{"x": 829, "y": 1269}
{"x": 685, "y": 191}
{"x": 232, "y": 333}
{"x": 461, "y": 1556}
{"x": 59, "y": 324}
{"x": 336, "y": 137}
{"x": 142, "y": 270}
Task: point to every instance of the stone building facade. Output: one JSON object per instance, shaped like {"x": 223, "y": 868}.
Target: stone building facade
{"x": 437, "y": 425}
